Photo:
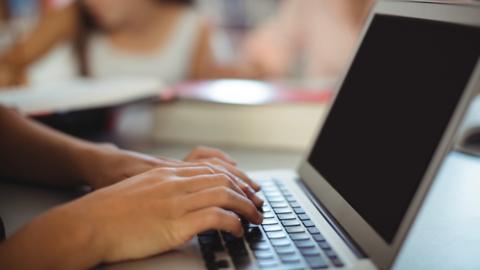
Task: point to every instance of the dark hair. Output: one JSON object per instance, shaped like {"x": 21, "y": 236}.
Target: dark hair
{"x": 87, "y": 25}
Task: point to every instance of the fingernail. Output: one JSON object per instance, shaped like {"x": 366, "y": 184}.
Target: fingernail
{"x": 261, "y": 201}
{"x": 241, "y": 232}
{"x": 260, "y": 218}
{"x": 258, "y": 201}
{"x": 250, "y": 189}
{"x": 256, "y": 186}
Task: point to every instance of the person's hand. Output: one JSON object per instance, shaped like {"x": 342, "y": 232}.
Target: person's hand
{"x": 104, "y": 165}
{"x": 213, "y": 157}
{"x": 162, "y": 209}
{"x": 148, "y": 214}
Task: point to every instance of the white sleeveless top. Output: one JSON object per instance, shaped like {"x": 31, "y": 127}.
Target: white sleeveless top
{"x": 170, "y": 63}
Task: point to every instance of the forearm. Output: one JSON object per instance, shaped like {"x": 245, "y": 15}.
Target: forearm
{"x": 54, "y": 27}
{"x": 59, "y": 239}
{"x": 32, "y": 152}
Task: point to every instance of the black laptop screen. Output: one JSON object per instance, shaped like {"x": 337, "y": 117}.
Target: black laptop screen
{"x": 391, "y": 112}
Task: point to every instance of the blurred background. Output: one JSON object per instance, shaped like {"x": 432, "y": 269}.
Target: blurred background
{"x": 282, "y": 39}
{"x": 241, "y": 74}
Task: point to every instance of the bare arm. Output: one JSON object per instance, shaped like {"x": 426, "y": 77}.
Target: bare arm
{"x": 32, "y": 152}
{"x": 161, "y": 204}
{"x": 150, "y": 213}
{"x": 54, "y": 27}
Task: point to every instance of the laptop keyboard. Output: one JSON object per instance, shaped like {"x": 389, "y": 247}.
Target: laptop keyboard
{"x": 287, "y": 238}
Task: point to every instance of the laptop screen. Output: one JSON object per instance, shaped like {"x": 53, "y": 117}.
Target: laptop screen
{"x": 391, "y": 112}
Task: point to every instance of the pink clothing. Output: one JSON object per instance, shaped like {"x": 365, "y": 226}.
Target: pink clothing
{"x": 321, "y": 33}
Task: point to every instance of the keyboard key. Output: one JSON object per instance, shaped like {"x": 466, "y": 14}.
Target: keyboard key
{"x": 268, "y": 215}
{"x": 294, "y": 204}
{"x": 263, "y": 254}
{"x": 286, "y": 216}
{"x": 318, "y": 237}
{"x": 310, "y": 252}
{"x": 295, "y": 229}
{"x": 299, "y": 210}
{"x": 290, "y": 198}
{"x": 273, "y": 199}
{"x": 313, "y": 230}
{"x": 272, "y": 228}
{"x": 269, "y": 221}
{"x": 254, "y": 235}
{"x": 290, "y": 258}
{"x": 290, "y": 222}
{"x": 266, "y": 208}
{"x": 211, "y": 241}
{"x": 272, "y": 194}
{"x": 276, "y": 235}
{"x": 337, "y": 262}
{"x": 297, "y": 266}
{"x": 303, "y": 217}
{"x": 299, "y": 236}
{"x": 330, "y": 253}
{"x": 282, "y": 210}
{"x": 324, "y": 245}
{"x": 316, "y": 262}
{"x": 277, "y": 182}
{"x": 308, "y": 223}
{"x": 284, "y": 250}
{"x": 305, "y": 244}
{"x": 260, "y": 246}
{"x": 279, "y": 204}
{"x": 269, "y": 188}
{"x": 267, "y": 263}
{"x": 282, "y": 242}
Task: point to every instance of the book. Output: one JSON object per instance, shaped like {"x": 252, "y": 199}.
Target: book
{"x": 79, "y": 94}
{"x": 241, "y": 113}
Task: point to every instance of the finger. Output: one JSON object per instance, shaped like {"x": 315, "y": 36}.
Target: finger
{"x": 247, "y": 190}
{"x": 225, "y": 198}
{"x": 201, "y": 182}
{"x": 202, "y": 170}
{"x": 234, "y": 170}
{"x": 212, "y": 218}
{"x": 207, "y": 152}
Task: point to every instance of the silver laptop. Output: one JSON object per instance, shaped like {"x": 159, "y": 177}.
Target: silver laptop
{"x": 352, "y": 201}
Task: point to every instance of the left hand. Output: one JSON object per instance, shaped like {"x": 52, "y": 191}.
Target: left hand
{"x": 105, "y": 165}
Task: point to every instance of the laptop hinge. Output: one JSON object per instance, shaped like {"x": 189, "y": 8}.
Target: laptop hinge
{"x": 359, "y": 253}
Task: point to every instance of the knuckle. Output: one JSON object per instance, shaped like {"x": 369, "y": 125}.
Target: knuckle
{"x": 225, "y": 195}
{"x": 215, "y": 215}
{"x": 225, "y": 180}
{"x": 159, "y": 170}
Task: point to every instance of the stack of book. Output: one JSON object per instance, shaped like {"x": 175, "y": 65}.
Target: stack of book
{"x": 241, "y": 113}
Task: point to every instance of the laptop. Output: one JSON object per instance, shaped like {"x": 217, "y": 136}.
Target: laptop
{"x": 352, "y": 201}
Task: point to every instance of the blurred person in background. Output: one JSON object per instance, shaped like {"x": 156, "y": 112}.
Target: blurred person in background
{"x": 309, "y": 38}
{"x": 165, "y": 39}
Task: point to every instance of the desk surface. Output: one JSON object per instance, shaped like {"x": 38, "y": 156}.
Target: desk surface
{"x": 446, "y": 234}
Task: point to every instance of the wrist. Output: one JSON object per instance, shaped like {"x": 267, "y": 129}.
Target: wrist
{"x": 87, "y": 159}
{"x": 77, "y": 234}
{"x": 62, "y": 238}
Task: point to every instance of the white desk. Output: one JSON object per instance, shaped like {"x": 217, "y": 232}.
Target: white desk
{"x": 445, "y": 236}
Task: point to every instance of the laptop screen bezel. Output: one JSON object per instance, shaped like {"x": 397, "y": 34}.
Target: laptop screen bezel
{"x": 380, "y": 252}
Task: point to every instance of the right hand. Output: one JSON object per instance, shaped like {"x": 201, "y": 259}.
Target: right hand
{"x": 163, "y": 209}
